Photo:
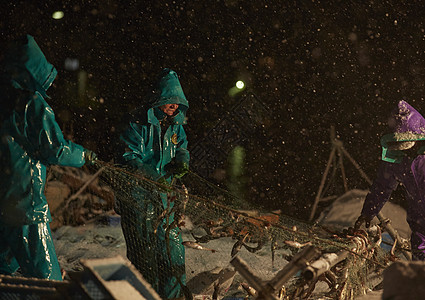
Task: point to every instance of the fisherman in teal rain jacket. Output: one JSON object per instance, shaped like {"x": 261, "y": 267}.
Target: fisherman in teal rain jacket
{"x": 30, "y": 140}
{"x": 156, "y": 146}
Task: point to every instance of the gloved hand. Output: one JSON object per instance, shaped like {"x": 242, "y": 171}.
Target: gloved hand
{"x": 181, "y": 169}
{"x": 178, "y": 169}
{"x": 360, "y": 220}
{"x": 164, "y": 186}
{"x": 90, "y": 157}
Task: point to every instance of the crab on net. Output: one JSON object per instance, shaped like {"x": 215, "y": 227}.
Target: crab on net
{"x": 249, "y": 233}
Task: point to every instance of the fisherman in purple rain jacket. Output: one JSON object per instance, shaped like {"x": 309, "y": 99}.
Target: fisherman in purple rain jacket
{"x": 403, "y": 161}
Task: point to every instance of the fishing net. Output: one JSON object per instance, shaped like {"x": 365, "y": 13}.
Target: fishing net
{"x": 215, "y": 227}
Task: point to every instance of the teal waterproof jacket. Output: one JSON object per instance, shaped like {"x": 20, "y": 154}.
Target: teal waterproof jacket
{"x": 153, "y": 141}
{"x": 149, "y": 149}
{"x": 30, "y": 138}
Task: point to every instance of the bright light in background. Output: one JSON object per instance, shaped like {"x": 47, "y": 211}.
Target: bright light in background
{"x": 237, "y": 88}
{"x": 71, "y": 64}
{"x": 240, "y": 84}
{"x": 57, "y": 15}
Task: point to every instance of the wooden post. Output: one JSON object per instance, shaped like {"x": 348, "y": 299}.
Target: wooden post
{"x": 356, "y": 165}
{"x": 324, "y": 264}
{"x": 242, "y": 267}
{"x": 322, "y": 184}
{"x": 325, "y": 174}
{"x": 267, "y": 291}
{"x": 299, "y": 261}
{"x": 341, "y": 165}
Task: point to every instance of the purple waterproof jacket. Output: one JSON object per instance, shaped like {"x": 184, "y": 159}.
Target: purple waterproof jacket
{"x": 407, "y": 171}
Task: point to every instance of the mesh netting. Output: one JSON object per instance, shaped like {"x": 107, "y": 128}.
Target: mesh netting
{"x": 158, "y": 220}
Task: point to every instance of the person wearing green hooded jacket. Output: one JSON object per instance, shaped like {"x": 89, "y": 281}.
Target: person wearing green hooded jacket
{"x": 30, "y": 140}
{"x": 156, "y": 146}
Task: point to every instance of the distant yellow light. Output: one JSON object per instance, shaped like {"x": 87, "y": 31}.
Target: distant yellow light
{"x": 57, "y": 15}
{"x": 240, "y": 84}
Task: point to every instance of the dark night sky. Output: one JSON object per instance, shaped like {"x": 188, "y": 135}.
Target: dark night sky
{"x": 313, "y": 63}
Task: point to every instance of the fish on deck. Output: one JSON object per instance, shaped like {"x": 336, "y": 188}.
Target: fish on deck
{"x": 195, "y": 245}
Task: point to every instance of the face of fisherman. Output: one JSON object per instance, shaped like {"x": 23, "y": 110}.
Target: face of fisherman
{"x": 169, "y": 109}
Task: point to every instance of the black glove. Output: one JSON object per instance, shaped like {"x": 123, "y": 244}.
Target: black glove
{"x": 90, "y": 157}
{"x": 360, "y": 220}
{"x": 177, "y": 170}
{"x": 180, "y": 170}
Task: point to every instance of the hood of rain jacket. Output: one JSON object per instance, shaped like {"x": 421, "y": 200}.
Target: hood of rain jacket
{"x": 27, "y": 67}
{"x": 409, "y": 127}
{"x": 150, "y": 148}
{"x": 168, "y": 91}
{"x": 30, "y": 138}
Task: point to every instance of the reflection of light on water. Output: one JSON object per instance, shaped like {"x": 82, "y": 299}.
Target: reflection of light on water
{"x": 58, "y": 15}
